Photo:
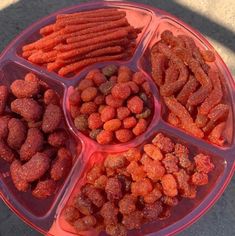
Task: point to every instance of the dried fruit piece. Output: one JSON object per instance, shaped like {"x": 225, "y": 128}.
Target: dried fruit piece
{"x": 75, "y": 97}
{"x": 140, "y": 127}
{"x": 109, "y": 70}
{"x": 4, "y": 126}
{"x": 104, "y": 137}
{"x": 123, "y": 135}
{"x": 88, "y": 94}
{"x": 121, "y": 91}
{"x": 122, "y": 112}
{"x": 169, "y": 185}
{"x": 88, "y": 108}
{"x": 81, "y": 122}
{"x": 50, "y": 96}
{"x": 5, "y": 152}
{"x": 94, "y": 121}
{"x": 135, "y": 105}
{"x": 112, "y": 125}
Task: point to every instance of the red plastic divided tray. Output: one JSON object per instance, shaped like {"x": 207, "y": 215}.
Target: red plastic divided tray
{"x": 45, "y": 215}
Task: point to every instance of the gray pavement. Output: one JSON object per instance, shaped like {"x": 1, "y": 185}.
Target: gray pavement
{"x": 215, "y": 19}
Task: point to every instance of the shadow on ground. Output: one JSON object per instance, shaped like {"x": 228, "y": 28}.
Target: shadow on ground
{"x": 13, "y": 19}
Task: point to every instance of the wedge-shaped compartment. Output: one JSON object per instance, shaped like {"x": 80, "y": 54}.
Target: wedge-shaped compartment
{"x": 179, "y": 28}
{"x": 38, "y": 212}
{"x": 180, "y": 214}
{"x": 151, "y": 104}
{"x": 138, "y": 17}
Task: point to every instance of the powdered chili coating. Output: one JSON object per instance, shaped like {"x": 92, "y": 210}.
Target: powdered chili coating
{"x": 57, "y": 138}
{"x": 44, "y": 189}
{"x": 16, "y": 134}
{"x": 33, "y": 144}
{"x": 6, "y": 153}
{"x": 4, "y": 126}
{"x": 28, "y": 108}
{"x": 51, "y": 118}
{"x": 62, "y": 165}
{"x": 25, "y": 89}
{"x": 50, "y": 96}
{"x": 3, "y": 98}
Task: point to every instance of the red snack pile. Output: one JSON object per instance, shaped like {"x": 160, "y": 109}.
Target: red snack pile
{"x": 77, "y": 40}
{"x": 135, "y": 187}
{"x": 192, "y": 91}
{"x": 112, "y": 104}
{"x": 31, "y": 137}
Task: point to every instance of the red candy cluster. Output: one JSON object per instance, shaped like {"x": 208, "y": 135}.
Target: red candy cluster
{"x": 192, "y": 90}
{"x": 31, "y": 137}
{"x": 113, "y": 104}
{"x": 135, "y": 187}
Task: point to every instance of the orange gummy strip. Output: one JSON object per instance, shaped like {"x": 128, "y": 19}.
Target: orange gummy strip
{"x": 78, "y": 65}
{"x": 77, "y": 21}
{"x": 92, "y": 13}
{"x": 86, "y": 49}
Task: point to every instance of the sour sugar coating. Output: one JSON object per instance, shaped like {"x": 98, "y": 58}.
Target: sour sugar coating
{"x": 93, "y": 194}
{"x": 4, "y": 126}
{"x": 127, "y": 204}
{"x": 94, "y": 121}
{"x": 199, "y": 178}
{"x": 121, "y": 91}
{"x": 203, "y": 163}
{"x": 123, "y": 112}
{"x": 3, "y": 98}
{"x": 25, "y": 89}
{"x": 94, "y": 173}
{"x": 142, "y": 187}
{"x": 158, "y": 61}
{"x": 216, "y": 135}
{"x": 140, "y": 127}
{"x": 16, "y": 134}
{"x": 19, "y": 183}
{"x": 109, "y": 212}
{"x": 57, "y": 138}
{"x": 33, "y": 144}
{"x": 137, "y": 171}
{"x": 187, "y": 90}
{"x": 169, "y": 185}
{"x": 71, "y": 214}
{"x": 180, "y": 111}
{"x": 123, "y": 135}
{"x": 115, "y": 161}
{"x": 113, "y": 189}
{"x": 116, "y": 230}
{"x": 135, "y": 105}
{"x": 133, "y": 154}
{"x": 85, "y": 223}
{"x": 51, "y": 118}
{"x": 81, "y": 122}
{"x": 84, "y": 205}
{"x": 182, "y": 153}
{"x": 152, "y": 211}
{"x": 215, "y": 96}
{"x": 35, "y": 168}
{"x": 124, "y": 74}
{"x": 163, "y": 143}
{"x": 6, "y": 153}
{"x": 104, "y": 137}
{"x": 108, "y": 113}
{"x": 153, "y": 196}
{"x": 153, "y": 151}
{"x": 51, "y": 97}
{"x": 170, "y": 163}
{"x": 133, "y": 220}
{"x": 62, "y": 164}
{"x": 154, "y": 169}
{"x": 28, "y": 108}
{"x": 44, "y": 189}
{"x": 112, "y": 125}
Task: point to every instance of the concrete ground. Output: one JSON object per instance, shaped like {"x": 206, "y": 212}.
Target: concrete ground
{"x": 214, "y": 19}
